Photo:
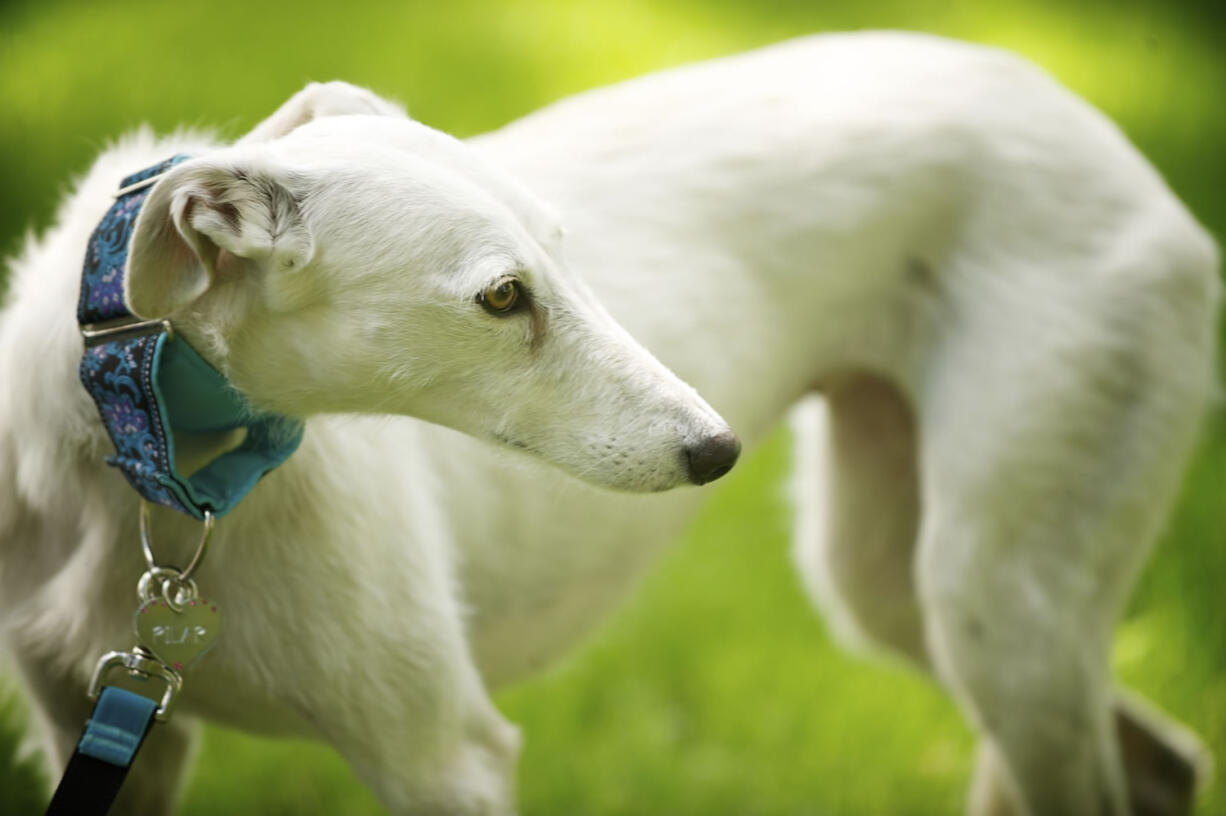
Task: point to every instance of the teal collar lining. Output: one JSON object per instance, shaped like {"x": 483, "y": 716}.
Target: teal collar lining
{"x": 196, "y": 398}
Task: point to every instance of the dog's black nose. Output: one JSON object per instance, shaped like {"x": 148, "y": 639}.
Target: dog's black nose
{"x": 712, "y": 457}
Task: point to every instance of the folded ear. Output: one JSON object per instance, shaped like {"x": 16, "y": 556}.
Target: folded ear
{"x": 317, "y": 100}
{"x": 194, "y": 216}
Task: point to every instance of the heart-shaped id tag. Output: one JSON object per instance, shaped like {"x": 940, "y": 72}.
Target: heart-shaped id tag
{"x": 178, "y": 639}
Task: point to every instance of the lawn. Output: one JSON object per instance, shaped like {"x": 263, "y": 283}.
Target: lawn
{"x": 716, "y": 690}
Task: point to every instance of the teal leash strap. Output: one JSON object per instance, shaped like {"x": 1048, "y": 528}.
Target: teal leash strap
{"x": 113, "y": 734}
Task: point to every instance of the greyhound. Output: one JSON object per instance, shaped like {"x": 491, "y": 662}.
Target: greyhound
{"x": 989, "y": 321}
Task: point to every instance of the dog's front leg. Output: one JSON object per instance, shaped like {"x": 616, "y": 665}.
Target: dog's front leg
{"x": 427, "y": 741}
{"x": 379, "y": 665}
{"x": 317, "y": 100}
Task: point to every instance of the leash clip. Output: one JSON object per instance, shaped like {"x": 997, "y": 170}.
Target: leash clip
{"x": 140, "y": 664}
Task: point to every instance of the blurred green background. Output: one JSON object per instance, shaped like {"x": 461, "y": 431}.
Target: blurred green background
{"x": 717, "y": 690}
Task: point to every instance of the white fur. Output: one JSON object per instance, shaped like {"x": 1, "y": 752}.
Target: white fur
{"x": 1009, "y": 314}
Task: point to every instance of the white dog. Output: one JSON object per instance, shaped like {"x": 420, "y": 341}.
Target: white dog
{"x": 1008, "y": 314}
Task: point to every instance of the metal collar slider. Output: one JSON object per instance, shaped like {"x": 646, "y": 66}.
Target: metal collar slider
{"x": 98, "y": 333}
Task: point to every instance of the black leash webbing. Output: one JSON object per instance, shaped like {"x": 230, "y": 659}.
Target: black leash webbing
{"x": 114, "y": 733}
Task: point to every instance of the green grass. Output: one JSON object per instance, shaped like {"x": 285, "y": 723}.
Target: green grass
{"x": 716, "y": 691}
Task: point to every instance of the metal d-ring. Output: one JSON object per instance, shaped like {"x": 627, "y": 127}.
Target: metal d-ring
{"x": 156, "y": 577}
{"x": 146, "y": 544}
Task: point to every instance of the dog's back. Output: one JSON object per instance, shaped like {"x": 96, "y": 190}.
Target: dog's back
{"x": 1012, "y": 320}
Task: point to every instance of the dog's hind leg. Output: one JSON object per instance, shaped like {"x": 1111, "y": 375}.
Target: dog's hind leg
{"x": 1019, "y": 605}
{"x": 1047, "y": 458}
{"x": 857, "y": 495}
{"x": 856, "y": 491}
{"x": 1166, "y": 764}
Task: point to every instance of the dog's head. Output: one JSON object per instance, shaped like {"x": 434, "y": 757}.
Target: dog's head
{"x": 371, "y": 264}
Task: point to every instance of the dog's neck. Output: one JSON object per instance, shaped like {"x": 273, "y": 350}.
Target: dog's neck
{"x": 52, "y": 417}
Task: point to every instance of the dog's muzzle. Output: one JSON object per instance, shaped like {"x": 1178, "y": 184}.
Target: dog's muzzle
{"x": 712, "y": 457}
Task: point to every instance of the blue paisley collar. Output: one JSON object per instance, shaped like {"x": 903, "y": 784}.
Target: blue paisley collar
{"x": 149, "y": 384}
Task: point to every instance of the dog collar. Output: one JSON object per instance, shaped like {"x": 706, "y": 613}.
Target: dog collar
{"x": 149, "y": 384}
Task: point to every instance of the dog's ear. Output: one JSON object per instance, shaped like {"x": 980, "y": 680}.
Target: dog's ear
{"x": 317, "y": 100}
{"x": 195, "y": 216}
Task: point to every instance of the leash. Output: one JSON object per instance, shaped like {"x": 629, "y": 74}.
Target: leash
{"x": 148, "y": 384}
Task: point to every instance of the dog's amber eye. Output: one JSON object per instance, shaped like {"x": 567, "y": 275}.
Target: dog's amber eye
{"x": 501, "y": 296}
